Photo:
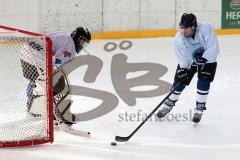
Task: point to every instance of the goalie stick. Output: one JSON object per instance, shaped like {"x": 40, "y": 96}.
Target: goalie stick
{"x": 124, "y": 139}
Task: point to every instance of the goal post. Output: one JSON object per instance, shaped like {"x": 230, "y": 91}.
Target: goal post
{"x": 26, "y": 100}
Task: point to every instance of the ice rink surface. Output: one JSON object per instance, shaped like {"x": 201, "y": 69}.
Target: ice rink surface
{"x": 175, "y": 138}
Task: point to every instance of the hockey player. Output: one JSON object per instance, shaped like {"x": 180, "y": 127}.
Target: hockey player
{"x": 196, "y": 48}
{"x": 65, "y": 47}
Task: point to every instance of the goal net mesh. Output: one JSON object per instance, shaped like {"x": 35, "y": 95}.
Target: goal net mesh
{"x": 25, "y": 105}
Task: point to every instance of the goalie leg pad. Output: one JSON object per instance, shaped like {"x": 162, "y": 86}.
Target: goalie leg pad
{"x": 60, "y": 92}
{"x": 60, "y": 87}
{"x": 60, "y": 84}
{"x": 65, "y": 113}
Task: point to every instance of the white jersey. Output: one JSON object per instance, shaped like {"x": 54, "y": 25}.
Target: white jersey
{"x": 63, "y": 47}
{"x": 205, "y": 38}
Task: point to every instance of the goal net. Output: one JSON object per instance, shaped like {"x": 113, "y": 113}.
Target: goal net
{"x": 26, "y": 113}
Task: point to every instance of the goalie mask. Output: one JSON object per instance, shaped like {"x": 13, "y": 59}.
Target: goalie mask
{"x": 81, "y": 37}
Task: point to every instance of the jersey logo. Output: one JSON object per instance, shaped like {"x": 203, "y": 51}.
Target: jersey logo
{"x": 58, "y": 61}
{"x": 67, "y": 54}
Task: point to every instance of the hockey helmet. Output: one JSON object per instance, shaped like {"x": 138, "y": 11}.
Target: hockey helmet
{"x": 188, "y": 20}
{"x": 81, "y": 33}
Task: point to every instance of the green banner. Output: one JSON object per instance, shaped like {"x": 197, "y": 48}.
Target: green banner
{"x": 231, "y": 14}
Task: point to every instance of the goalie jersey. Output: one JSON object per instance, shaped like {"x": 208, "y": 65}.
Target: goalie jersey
{"x": 63, "y": 47}
{"x": 205, "y": 38}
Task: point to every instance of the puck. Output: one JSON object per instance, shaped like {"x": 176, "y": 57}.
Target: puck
{"x": 113, "y": 143}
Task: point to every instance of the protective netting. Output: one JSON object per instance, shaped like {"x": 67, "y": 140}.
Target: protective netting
{"x": 24, "y": 110}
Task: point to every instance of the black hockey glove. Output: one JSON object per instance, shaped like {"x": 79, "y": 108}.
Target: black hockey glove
{"x": 182, "y": 74}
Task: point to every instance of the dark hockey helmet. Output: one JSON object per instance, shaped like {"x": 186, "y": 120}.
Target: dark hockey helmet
{"x": 188, "y": 20}
{"x": 81, "y": 33}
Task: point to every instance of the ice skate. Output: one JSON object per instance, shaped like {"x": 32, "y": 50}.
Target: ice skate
{"x": 163, "y": 111}
{"x": 197, "y": 116}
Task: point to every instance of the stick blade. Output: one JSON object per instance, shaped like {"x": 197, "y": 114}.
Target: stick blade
{"x": 121, "y": 139}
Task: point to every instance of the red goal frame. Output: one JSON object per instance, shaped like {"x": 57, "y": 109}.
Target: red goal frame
{"x": 50, "y": 135}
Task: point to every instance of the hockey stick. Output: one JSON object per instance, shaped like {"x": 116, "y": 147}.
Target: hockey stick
{"x": 124, "y": 139}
